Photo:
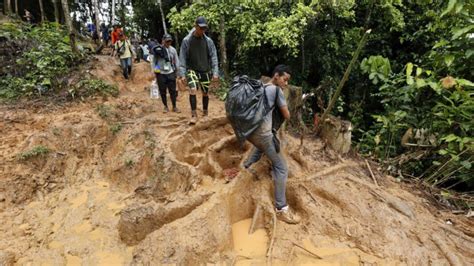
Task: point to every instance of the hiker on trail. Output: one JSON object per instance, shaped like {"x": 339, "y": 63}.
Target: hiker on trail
{"x": 115, "y": 34}
{"x": 145, "y": 50}
{"x": 123, "y": 48}
{"x": 198, "y": 61}
{"x": 28, "y": 16}
{"x": 105, "y": 34}
{"x": 265, "y": 142}
{"x": 166, "y": 60}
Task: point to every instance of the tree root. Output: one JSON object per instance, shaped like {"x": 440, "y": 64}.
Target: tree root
{"x": 449, "y": 254}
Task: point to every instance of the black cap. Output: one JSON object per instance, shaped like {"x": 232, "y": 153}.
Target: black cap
{"x": 201, "y": 22}
{"x": 167, "y": 37}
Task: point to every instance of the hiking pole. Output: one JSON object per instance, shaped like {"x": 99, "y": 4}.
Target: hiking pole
{"x": 344, "y": 78}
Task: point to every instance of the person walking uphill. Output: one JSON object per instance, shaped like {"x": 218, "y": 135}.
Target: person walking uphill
{"x": 198, "y": 61}
{"x": 265, "y": 142}
{"x": 123, "y": 48}
{"x": 165, "y": 66}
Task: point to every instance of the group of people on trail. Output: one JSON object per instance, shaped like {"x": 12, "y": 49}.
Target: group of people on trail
{"x": 197, "y": 66}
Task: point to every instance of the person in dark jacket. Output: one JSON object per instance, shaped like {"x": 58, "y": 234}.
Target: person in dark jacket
{"x": 198, "y": 65}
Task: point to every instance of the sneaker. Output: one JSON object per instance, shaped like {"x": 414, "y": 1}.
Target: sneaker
{"x": 288, "y": 216}
{"x": 166, "y": 110}
{"x": 176, "y": 110}
{"x": 204, "y": 113}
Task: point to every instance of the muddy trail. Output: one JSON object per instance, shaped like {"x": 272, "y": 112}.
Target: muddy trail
{"x": 123, "y": 183}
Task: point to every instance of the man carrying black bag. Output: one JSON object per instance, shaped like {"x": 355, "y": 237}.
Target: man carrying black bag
{"x": 257, "y": 127}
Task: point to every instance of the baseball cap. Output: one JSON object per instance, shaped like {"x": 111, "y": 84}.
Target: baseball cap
{"x": 201, "y": 22}
{"x": 167, "y": 37}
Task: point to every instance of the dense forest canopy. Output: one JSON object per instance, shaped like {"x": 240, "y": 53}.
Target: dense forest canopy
{"x": 409, "y": 97}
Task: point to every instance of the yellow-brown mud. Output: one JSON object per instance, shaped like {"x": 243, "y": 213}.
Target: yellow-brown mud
{"x": 155, "y": 192}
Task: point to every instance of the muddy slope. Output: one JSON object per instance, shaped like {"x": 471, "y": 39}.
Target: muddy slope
{"x": 124, "y": 183}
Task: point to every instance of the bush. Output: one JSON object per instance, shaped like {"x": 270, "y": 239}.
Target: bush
{"x": 89, "y": 87}
{"x": 36, "y": 151}
{"x": 34, "y": 59}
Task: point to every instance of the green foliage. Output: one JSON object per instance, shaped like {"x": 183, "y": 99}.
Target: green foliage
{"x": 129, "y": 163}
{"x": 377, "y": 67}
{"x": 37, "y": 58}
{"x": 223, "y": 89}
{"x": 250, "y": 25}
{"x": 35, "y": 152}
{"x": 115, "y": 128}
{"x": 89, "y": 87}
{"x": 417, "y": 98}
{"x": 104, "y": 111}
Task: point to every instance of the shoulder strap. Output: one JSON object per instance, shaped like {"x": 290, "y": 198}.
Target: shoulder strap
{"x": 276, "y": 94}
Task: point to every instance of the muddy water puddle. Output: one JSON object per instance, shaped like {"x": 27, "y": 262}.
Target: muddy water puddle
{"x": 249, "y": 245}
{"x": 251, "y": 249}
{"x": 79, "y": 227}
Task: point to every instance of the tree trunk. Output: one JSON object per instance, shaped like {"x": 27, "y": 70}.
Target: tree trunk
{"x": 225, "y": 64}
{"x": 7, "y": 5}
{"x": 56, "y": 10}
{"x": 162, "y": 17}
{"x": 176, "y": 43}
{"x": 43, "y": 18}
{"x": 16, "y": 8}
{"x": 67, "y": 19}
{"x": 96, "y": 14}
{"x": 112, "y": 19}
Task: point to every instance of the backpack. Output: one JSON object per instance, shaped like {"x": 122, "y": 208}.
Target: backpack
{"x": 121, "y": 49}
{"x": 160, "y": 51}
{"x": 246, "y": 106}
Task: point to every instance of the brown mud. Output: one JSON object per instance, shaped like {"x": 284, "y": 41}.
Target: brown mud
{"x": 123, "y": 183}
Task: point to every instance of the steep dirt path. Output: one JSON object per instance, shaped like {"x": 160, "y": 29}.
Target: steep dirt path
{"x": 124, "y": 183}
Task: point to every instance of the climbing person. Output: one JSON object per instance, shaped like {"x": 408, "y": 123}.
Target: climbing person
{"x": 198, "y": 62}
{"x": 165, "y": 63}
{"x": 265, "y": 141}
{"x": 123, "y": 48}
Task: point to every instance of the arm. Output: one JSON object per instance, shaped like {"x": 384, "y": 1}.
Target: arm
{"x": 281, "y": 103}
{"x": 176, "y": 58}
{"x": 182, "y": 58}
{"x": 214, "y": 60}
{"x": 285, "y": 112}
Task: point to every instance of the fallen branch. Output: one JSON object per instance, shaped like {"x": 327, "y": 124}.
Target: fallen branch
{"x": 325, "y": 172}
{"x": 127, "y": 122}
{"x": 310, "y": 252}
{"x": 456, "y": 233}
{"x": 291, "y": 255}
{"x": 448, "y": 253}
{"x": 270, "y": 248}
{"x": 254, "y": 220}
{"x": 371, "y": 173}
{"x": 309, "y": 192}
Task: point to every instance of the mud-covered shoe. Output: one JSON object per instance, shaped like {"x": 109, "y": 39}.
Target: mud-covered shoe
{"x": 166, "y": 110}
{"x": 193, "y": 118}
{"x": 205, "y": 113}
{"x": 288, "y": 216}
{"x": 176, "y": 110}
{"x": 251, "y": 171}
